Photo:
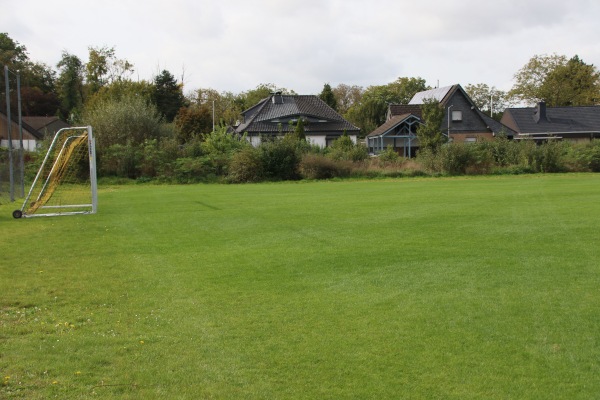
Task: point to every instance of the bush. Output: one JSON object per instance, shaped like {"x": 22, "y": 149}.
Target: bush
{"x": 546, "y": 157}
{"x": 343, "y": 148}
{"x": 280, "y": 159}
{"x": 119, "y": 160}
{"x": 594, "y": 156}
{"x": 193, "y": 170}
{"x": 246, "y": 166}
{"x": 389, "y": 155}
{"x": 315, "y": 166}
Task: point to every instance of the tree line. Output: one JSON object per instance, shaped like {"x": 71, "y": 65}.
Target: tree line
{"x": 152, "y": 128}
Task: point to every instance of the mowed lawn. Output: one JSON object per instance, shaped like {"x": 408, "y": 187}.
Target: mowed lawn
{"x": 431, "y": 288}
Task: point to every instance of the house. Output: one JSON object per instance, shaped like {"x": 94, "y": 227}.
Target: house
{"x": 542, "y": 123}
{"x": 46, "y": 126}
{"x": 462, "y": 122}
{"x": 30, "y": 135}
{"x": 277, "y": 115}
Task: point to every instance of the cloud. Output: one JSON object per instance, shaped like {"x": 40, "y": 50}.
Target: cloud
{"x": 234, "y": 45}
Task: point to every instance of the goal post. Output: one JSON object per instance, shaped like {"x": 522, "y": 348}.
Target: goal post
{"x": 65, "y": 183}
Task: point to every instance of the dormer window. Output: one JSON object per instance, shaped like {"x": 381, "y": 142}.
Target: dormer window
{"x": 456, "y": 116}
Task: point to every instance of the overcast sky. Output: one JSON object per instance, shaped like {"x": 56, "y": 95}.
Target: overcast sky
{"x": 235, "y": 45}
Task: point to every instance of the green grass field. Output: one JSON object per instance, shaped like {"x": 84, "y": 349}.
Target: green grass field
{"x": 432, "y": 288}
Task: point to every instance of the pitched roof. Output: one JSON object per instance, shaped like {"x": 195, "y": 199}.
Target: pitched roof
{"x": 39, "y": 122}
{"x": 439, "y": 94}
{"x": 391, "y": 124}
{"x": 400, "y": 109}
{"x": 28, "y": 128}
{"x": 585, "y": 119}
{"x": 267, "y": 116}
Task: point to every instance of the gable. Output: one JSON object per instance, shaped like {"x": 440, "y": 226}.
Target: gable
{"x": 399, "y": 126}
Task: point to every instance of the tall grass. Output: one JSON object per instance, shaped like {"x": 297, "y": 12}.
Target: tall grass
{"x": 458, "y": 288}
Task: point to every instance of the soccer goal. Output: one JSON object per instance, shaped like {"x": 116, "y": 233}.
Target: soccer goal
{"x": 66, "y": 183}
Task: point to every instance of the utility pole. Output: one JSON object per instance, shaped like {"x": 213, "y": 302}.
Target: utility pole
{"x": 10, "y": 155}
{"x": 452, "y": 105}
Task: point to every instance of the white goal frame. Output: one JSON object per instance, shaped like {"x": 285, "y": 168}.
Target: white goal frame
{"x": 65, "y": 135}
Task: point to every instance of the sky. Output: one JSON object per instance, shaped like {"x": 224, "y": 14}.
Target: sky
{"x": 236, "y": 45}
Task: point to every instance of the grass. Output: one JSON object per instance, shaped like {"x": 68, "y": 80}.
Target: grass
{"x": 454, "y": 288}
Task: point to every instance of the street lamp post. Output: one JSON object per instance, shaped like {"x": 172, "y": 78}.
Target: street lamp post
{"x": 452, "y": 105}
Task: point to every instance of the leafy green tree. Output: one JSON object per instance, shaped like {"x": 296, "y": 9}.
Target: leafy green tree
{"x": 573, "y": 84}
{"x": 103, "y": 67}
{"x": 485, "y": 97}
{"x": 429, "y": 133}
{"x": 328, "y": 97}
{"x": 299, "y": 130}
{"x": 38, "y": 95}
{"x": 193, "y": 122}
{"x": 69, "y": 84}
{"x": 128, "y": 120}
{"x": 168, "y": 95}
{"x": 530, "y": 78}
{"x": 558, "y": 81}
{"x": 119, "y": 89}
{"x": 346, "y": 96}
{"x": 12, "y": 53}
{"x": 249, "y": 98}
{"x": 371, "y": 111}
{"x": 226, "y": 109}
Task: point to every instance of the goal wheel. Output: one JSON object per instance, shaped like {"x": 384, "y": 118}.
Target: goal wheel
{"x": 17, "y": 214}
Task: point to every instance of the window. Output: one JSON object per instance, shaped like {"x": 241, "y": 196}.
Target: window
{"x": 456, "y": 115}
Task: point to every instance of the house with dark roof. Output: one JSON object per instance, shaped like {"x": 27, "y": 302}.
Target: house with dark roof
{"x": 462, "y": 122}
{"x": 277, "y": 115}
{"x": 30, "y": 135}
{"x": 542, "y": 123}
{"x": 46, "y": 126}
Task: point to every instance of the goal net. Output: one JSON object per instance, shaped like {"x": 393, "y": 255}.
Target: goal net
{"x": 66, "y": 181}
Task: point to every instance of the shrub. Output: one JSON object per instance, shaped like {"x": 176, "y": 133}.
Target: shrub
{"x": 389, "y": 155}
{"x": 315, "y": 166}
{"x": 546, "y": 157}
{"x": 594, "y": 156}
{"x": 119, "y": 160}
{"x": 193, "y": 170}
{"x": 280, "y": 159}
{"x": 246, "y": 166}
{"x": 343, "y": 148}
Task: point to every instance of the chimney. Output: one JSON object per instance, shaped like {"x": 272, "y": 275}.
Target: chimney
{"x": 540, "y": 112}
{"x": 277, "y": 98}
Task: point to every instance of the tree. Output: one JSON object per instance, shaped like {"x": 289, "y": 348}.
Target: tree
{"x": 298, "y": 130}
{"x": 70, "y": 84}
{"x": 226, "y": 108}
{"x": 38, "y": 95}
{"x": 128, "y": 120}
{"x": 168, "y": 95}
{"x": 531, "y": 77}
{"x": 557, "y": 81}
{"x": 371, "y": 111}
{"x": 328, "y": 97}
{"x": 12, "y": 54}
{"x": 429, "y": 133}
{"x": 103, "y": 67}
{"x": 573, "y": 84}
{"x": 193, "y": 121}
{"x": 249, "y": 98}
{"x": 346, "y": 96}
{"x": 485, "y": 97}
